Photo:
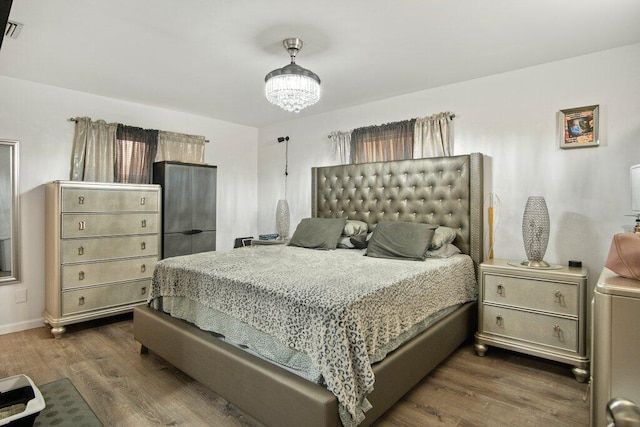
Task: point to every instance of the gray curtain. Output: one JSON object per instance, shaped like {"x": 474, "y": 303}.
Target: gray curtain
{"x": 341, "y": 142}
{"x": 93, "y": 150}
{"x": 433, "y": 136}
{"x": 135, "y": 152}
{"x": 391, "y": 141}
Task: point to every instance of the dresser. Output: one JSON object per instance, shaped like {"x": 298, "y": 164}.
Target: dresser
{"x": 102, "y": 242}
{"x": 541, "y": 312}
{"x": 615, "y": 343}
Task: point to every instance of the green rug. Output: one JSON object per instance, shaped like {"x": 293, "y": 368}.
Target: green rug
{"x": 64, "y": 407}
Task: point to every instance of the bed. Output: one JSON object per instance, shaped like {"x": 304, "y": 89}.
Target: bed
{"x": 445, "y": 191}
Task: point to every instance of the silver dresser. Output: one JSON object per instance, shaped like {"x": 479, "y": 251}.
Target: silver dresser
{"x": 101, "y": 245}
{"x": 541, "y": 312}
{"x": 615, "y": 343}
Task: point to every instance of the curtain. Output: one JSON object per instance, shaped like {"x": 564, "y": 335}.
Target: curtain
{"x": 392, "y": 141}
{"x": 433, "y": 136}
{"x": 93, "y": 150}
{"x": 180, "y": 147}
{"x": 136, "y": 149}
{"x": 342, "y": 147}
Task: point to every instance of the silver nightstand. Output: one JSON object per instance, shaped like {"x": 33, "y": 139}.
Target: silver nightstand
{"x": 541, "y": 312}
{"x": 257, "y": 242}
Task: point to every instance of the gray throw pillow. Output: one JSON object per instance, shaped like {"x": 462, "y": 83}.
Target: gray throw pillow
{"x": 400, "y": 240}
{"x": 441, "y": 237}
{"x": 354, "y": 227}
{"x": 318, "y": 233}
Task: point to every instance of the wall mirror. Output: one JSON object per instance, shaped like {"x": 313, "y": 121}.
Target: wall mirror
{"x": 9, "y": 213}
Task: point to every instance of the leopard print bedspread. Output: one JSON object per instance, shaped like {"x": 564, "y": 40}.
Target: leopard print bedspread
{"x": 339, "y": 307}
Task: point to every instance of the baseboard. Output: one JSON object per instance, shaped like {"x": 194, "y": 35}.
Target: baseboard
{"x": 21, "y": 326}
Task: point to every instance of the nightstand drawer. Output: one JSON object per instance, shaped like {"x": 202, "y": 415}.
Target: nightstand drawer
{"x": 101, "y": 297}
{"x": 531, "y": 327}
{"x": 555, "y": 297}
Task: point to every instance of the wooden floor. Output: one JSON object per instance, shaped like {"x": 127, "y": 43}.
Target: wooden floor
{"x": 127, "y": 389}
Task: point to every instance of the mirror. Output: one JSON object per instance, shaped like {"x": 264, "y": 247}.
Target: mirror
{"x": 9, "y": 213}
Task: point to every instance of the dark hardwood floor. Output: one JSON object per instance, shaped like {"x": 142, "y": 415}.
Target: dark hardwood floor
{"x": 127, "y": 389}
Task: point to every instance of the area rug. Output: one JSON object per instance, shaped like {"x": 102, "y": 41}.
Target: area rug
{"x": 64, "y": 407}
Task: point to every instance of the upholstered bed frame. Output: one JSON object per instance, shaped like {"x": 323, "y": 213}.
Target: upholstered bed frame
{"x": 446, "y": 191}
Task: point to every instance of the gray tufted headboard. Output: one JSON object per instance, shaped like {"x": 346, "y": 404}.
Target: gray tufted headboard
{"x": 443, "y": 190}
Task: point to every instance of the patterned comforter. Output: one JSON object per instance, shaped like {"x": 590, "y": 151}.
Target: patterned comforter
{"x": 340, "y": 308}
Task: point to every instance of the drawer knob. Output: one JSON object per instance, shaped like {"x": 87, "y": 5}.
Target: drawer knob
{"x": 144, "y": 223}
{"x": 143, "y": 246}
{"x": 82, "y": 225}
{"x": 81, "y": 250}
{"x": 81, "y": 275}
{"x": 143, "y": 200}
{"x": 500, "y": 290}
{"x": 143, "y": 268}
{"x": 143, "y": 290}
{"x": 81, "y": 301}
{"x": 81, "y": 200}
{"x": 499, "y": 320}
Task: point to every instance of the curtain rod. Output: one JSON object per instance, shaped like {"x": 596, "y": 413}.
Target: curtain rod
{"x": 451, "y": 116}
{"x": 74, "y": 120}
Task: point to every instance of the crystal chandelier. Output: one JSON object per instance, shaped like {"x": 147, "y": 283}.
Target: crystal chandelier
{"x": 292, "y": 87}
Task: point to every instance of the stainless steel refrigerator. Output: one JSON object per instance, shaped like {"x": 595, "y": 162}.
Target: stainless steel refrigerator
{"x": 189, "y": 207}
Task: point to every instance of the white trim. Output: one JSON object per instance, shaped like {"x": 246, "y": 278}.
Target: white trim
{"x": 21, "y": 326}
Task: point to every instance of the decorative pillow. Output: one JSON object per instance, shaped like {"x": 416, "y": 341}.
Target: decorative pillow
{"x": 400, "y": 240}
{"x": 360, "y": 241}
{"x": 354, "y": 227}
{"x": 442, "y": 236}
{"x": 445, "y": 251}
{"x": 318, "y": 233}
{"x": 344, "y": 242}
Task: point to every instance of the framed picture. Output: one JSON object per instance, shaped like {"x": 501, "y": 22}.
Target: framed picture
{"x": 578, "y": 127}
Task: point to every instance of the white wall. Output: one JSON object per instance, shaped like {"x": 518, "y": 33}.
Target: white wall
{"x": 511, "y": 118}
{"x": 36, "y": 115}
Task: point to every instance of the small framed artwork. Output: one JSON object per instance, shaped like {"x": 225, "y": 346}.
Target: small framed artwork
{"x": 578, "y": 127}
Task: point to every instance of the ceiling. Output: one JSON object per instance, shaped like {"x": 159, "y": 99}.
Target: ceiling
{"x": 209, "y": 57}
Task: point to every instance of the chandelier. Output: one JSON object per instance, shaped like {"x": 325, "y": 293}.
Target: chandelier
{"x": 292, "y": 87}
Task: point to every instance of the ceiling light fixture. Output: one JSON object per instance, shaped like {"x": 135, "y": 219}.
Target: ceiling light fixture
{"x": 292, "y": 87}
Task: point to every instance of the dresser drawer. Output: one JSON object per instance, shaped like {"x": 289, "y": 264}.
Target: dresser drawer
{"x": 532, "y": 327}
{"x": 106, "y": 200}
{"x": 89, "y": 299}
{"x": 95, "y": 273}
{"x": 542, "y": 295}
{"x": 93, "y": 225}
{"x": 93, "y": 249}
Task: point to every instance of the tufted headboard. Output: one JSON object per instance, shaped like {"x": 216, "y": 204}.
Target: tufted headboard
{"x": 443, "y": 190}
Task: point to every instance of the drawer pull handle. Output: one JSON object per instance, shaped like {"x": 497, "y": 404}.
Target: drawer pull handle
{"x": 557, "y": 332}
{"x": 143, "y": 246}
{"x": 144, "y": 223}
{"x": 143, "y": 290}
{"x": 143, "y": 200}
{"x": 500, "y": 290}
{"x": 81, "y": 200}
{"x": 81, "y": 275}
{"x": 81, "y": 301}
{"x": 143, "y": 268}
{"x": 82, "y": 225}
{"x": 80, "y": 250}
{"x": 558, "y": 296}
{"x": 499, "y": 320}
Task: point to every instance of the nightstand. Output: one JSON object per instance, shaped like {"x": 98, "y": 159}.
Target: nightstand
{"x": 257, "y": 242}
{"x": 541, "y": 312}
